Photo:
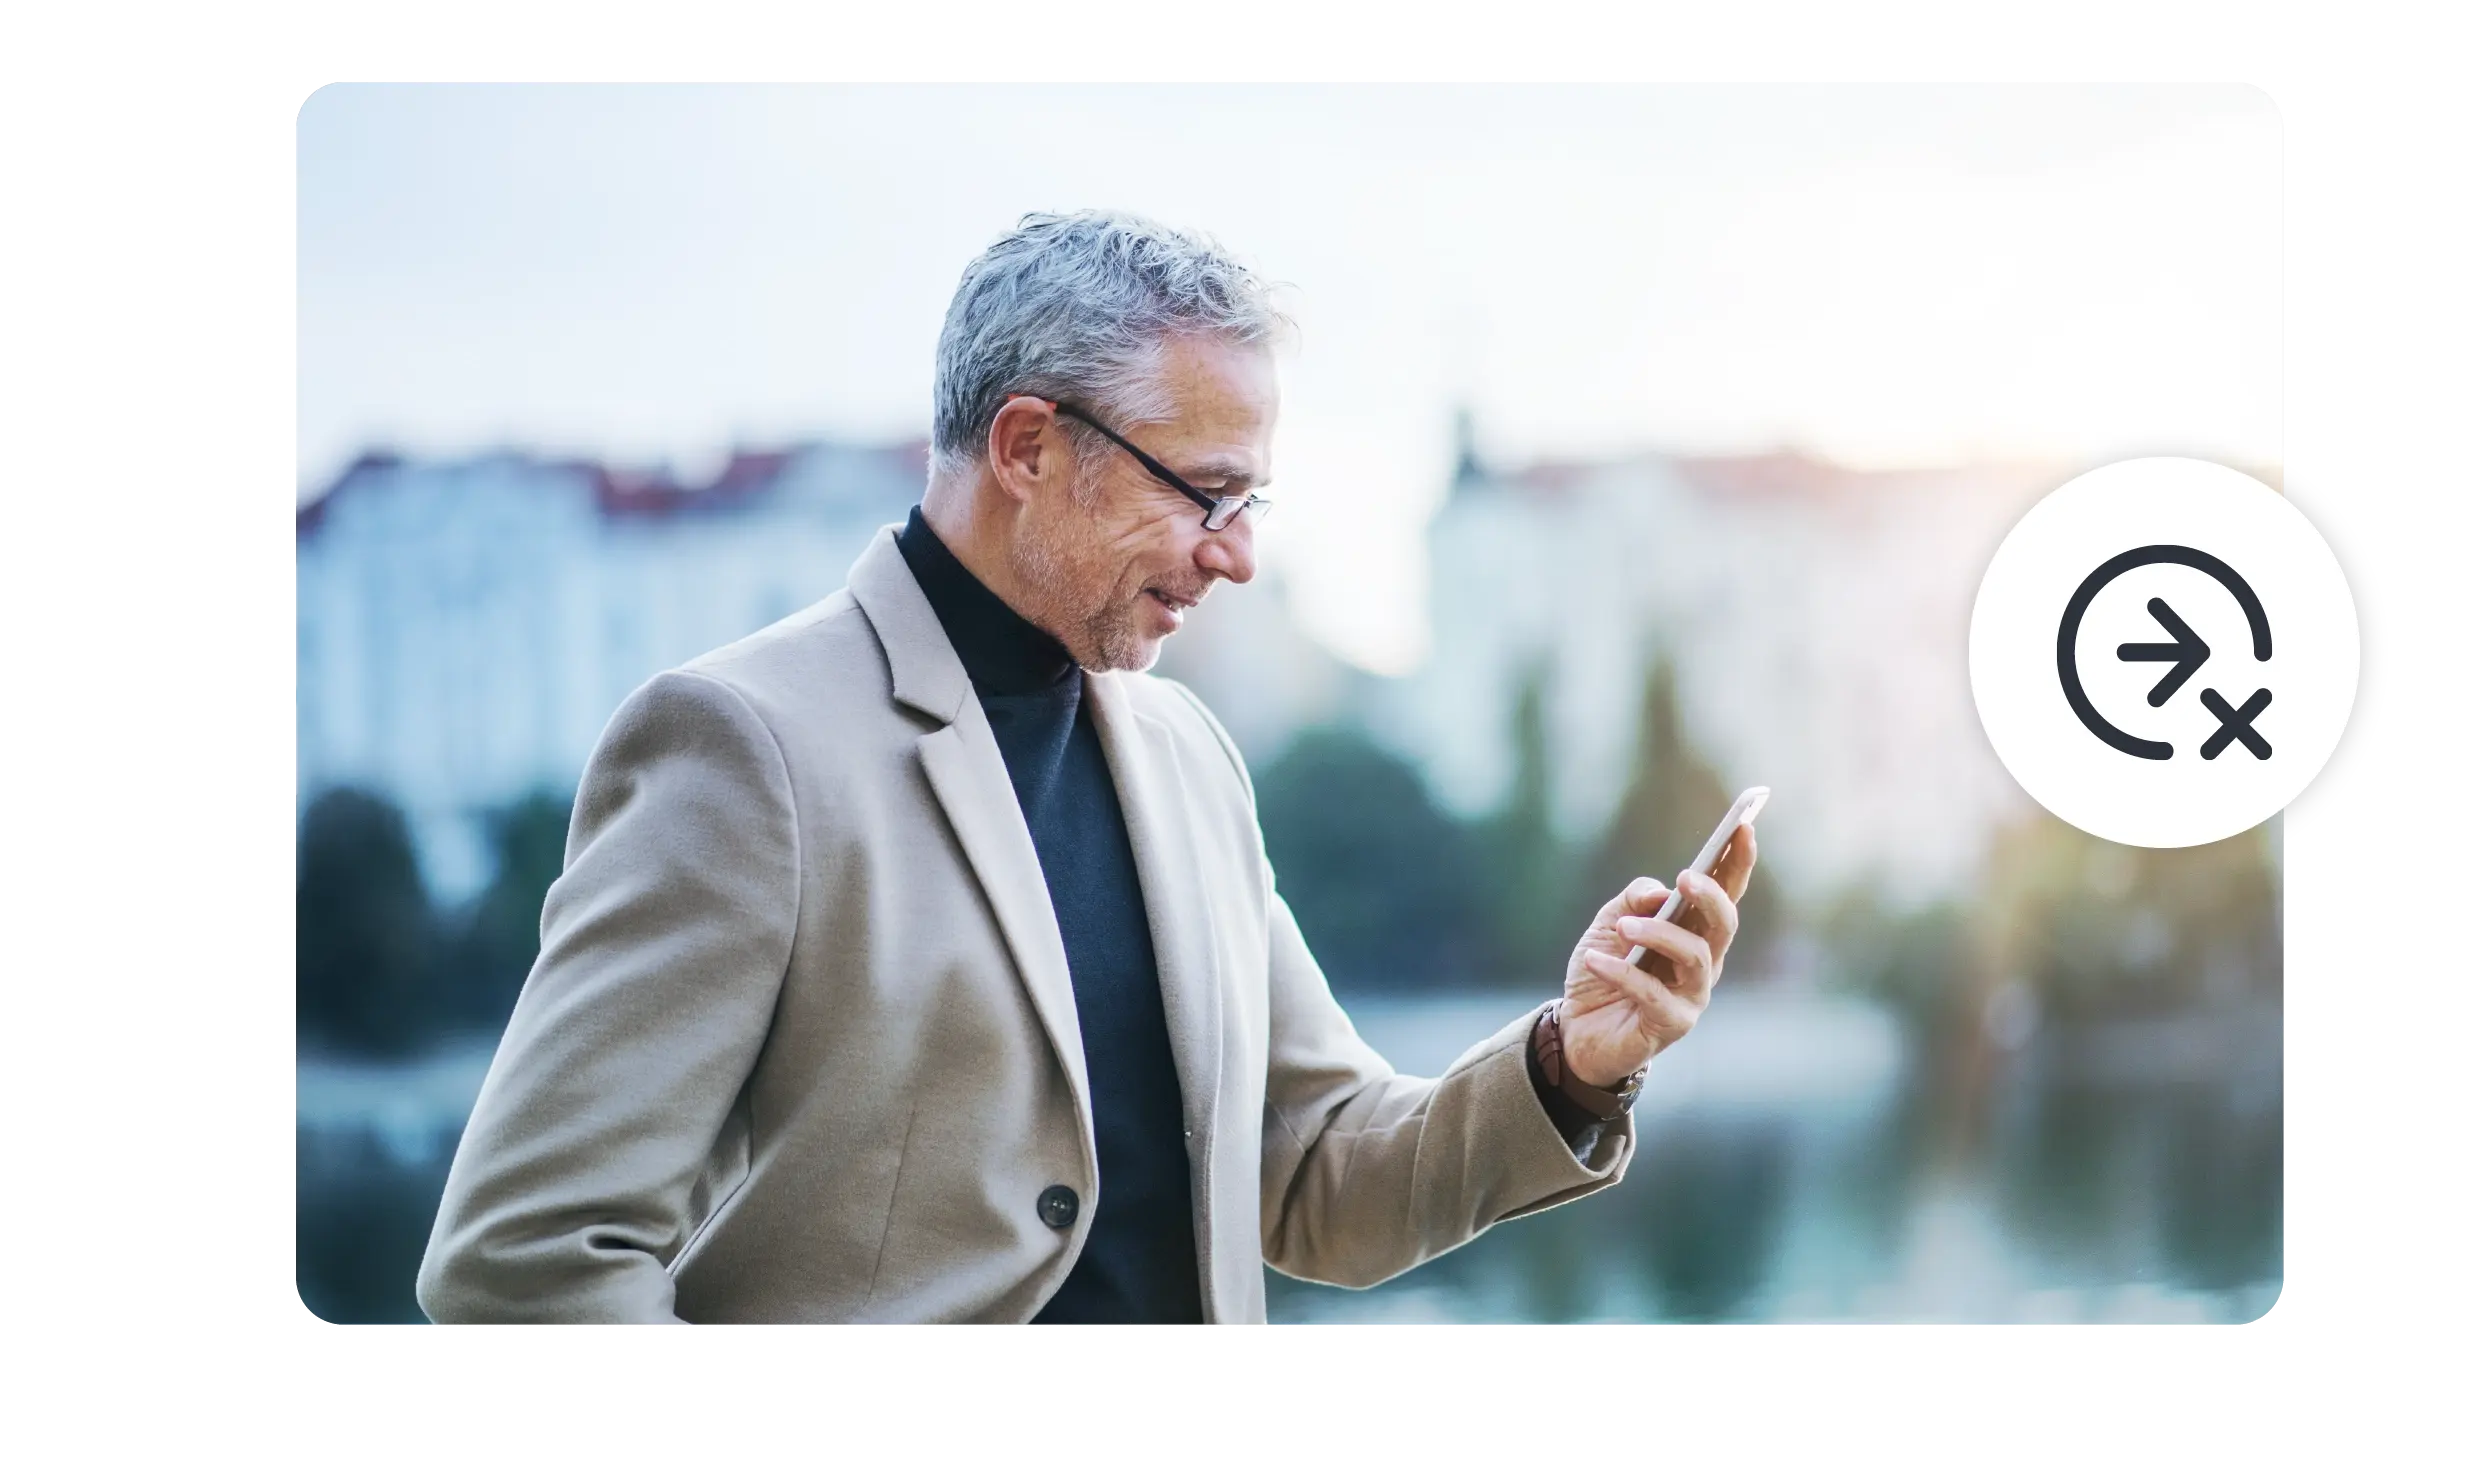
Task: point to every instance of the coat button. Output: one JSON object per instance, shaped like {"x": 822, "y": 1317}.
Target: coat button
{"x": 1058, "y": 1206}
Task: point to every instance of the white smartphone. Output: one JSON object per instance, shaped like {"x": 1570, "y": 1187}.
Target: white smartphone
{"x": 1745, "y": 809}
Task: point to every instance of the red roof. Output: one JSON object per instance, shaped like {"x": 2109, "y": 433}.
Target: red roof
{"x": 632, "y": 493}
{"x": 308, "y": 515}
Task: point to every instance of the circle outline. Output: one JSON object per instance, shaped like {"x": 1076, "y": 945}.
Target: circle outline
{"x": 2262, "y": 642}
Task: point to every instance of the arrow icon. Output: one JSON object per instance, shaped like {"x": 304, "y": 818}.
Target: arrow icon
{"x": 2185, "y": 652}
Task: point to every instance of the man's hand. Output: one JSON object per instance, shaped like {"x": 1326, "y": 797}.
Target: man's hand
{"x": 1615, "y": 1016}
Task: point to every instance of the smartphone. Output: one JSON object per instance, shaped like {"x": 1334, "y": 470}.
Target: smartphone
{"x": 1745, "y": 809}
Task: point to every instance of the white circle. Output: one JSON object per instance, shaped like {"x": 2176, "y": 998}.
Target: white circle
{"x": 2142, "y": 532}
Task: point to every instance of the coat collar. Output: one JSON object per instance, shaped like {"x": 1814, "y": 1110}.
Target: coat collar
{"x": 926, "y": 675}
{"x": 1166, "y": 837}
{"x": 966, "y": 771}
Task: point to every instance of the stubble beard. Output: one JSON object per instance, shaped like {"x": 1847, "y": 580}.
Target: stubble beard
{"x": 1051, "y": 566}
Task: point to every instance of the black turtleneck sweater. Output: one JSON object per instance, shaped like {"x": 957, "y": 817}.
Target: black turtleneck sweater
{"x": 1139, "y": 1263}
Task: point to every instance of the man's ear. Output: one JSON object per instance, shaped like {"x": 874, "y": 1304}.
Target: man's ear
{"x": 1021, "y": 450}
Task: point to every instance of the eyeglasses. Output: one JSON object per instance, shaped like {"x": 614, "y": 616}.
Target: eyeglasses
{"x": 1218, "y": 509}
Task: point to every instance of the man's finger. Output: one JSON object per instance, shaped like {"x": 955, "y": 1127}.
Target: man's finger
{"x": 1652, "y": 998}
{"x": 1642, "y": 897}
{"x": 1710, "y": 913}
{"x": 1738, "y": 861}
{"x": 1677, "y": 956}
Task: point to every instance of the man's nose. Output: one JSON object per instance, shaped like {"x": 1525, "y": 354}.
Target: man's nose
{"x": 1230, "y": 553}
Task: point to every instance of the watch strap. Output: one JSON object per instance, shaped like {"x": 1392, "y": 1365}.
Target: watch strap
{"x": 1601, "y": 1102}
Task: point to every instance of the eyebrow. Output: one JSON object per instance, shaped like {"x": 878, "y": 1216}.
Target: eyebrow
{"x": 1219, "y": 470}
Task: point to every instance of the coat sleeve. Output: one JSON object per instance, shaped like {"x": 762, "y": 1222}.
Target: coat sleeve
{"x": 1367, "y": 1172}
{"x": 663, "y": 947}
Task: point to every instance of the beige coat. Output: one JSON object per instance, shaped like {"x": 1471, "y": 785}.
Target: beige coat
{"x": 801, "y": 1044}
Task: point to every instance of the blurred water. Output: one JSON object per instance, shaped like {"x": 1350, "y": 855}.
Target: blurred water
{"x": 1795, "y": 1162}
{"x": 1791, "y": 1166}
{"x": 372, "y": 1149}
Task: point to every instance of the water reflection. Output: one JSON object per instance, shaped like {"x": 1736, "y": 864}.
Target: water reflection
{"x": 1799, "y": 1159}
{"x": 361, "y": 1217}
{"x": 2222, "y": 1196}
{"x": 2123, "y": 1173}
{"x": 1721, "y": 1199}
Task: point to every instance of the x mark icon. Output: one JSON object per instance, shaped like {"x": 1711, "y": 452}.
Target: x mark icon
{"x": 2234, "y": 724}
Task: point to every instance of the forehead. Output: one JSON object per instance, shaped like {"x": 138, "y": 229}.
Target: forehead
{"x": 1223, "y": 398}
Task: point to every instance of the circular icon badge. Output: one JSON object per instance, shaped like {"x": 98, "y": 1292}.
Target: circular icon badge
{"x": 2163, "y": 652}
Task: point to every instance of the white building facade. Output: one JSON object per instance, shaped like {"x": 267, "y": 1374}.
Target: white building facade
{"x": 464, "y": 630}
{"x": 1814, "y": 617}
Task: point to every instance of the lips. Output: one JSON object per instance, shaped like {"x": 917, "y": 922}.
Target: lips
{"x": 1171, "y": 609}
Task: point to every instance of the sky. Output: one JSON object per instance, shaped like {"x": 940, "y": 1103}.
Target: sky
{"x": 1886, "y": 276}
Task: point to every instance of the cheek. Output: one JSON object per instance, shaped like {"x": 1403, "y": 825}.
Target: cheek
{"x": 1177, "y": 539}
{"x": 1151, "y": 551}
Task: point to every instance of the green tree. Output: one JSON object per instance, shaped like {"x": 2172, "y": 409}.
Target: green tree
{"x": 1671, "y": 805}
{"x": 1381, "y": 881}
{"x": 498, "y": 941}
{"x": 1921, "y": 961}
{"x": 365, "y": 941}
{"x": 2099, "y": 929}
{"x": 1533, "y": 878}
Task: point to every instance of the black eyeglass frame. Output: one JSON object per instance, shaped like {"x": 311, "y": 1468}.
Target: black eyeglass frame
{"x": 1219, "y": 510}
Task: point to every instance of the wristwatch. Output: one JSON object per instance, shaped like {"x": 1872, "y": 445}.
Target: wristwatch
{"x": 1602, "y": 1102}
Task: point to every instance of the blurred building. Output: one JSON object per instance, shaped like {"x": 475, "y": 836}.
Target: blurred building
{"x": 1814, "y": 617}
{"x": 464, "y": 629}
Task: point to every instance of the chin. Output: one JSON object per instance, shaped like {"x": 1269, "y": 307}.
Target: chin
{"x": 1129, "y": 651}
{"x": 1132, "y": 657}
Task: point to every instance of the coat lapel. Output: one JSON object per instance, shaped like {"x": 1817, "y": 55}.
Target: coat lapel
{"x": 966, "y": 772}
{"x": 1142, "y": 758}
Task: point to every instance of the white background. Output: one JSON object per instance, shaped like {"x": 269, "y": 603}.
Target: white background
{"x": 148, "y": 156}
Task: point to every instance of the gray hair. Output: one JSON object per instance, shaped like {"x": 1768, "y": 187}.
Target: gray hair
{"x": 1076, "y": 307}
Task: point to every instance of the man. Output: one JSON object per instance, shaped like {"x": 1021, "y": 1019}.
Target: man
{"x": 917, "y": 957}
